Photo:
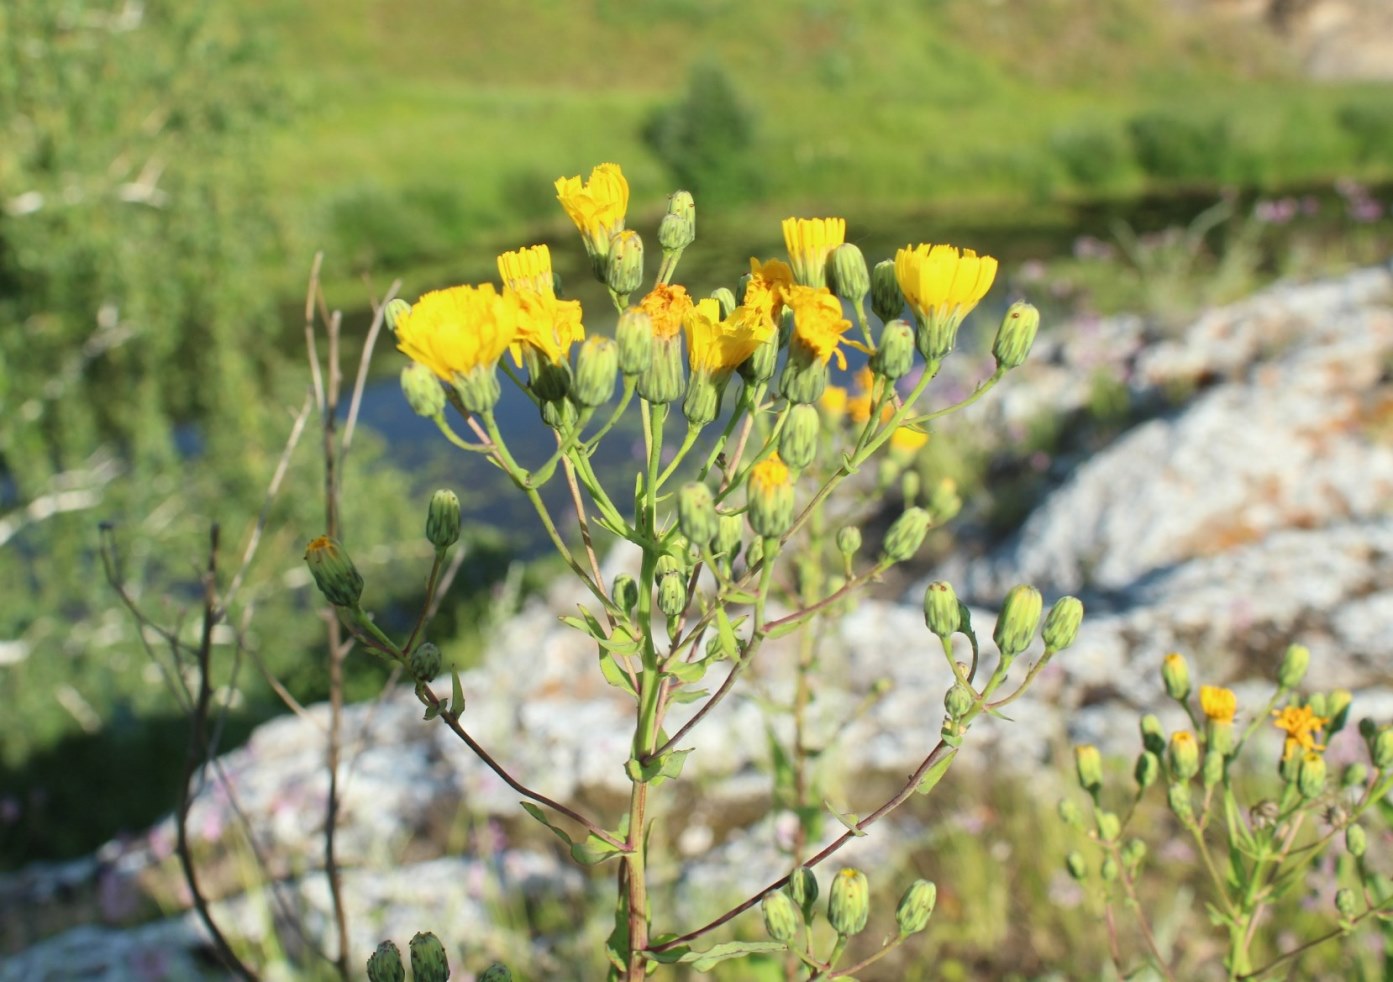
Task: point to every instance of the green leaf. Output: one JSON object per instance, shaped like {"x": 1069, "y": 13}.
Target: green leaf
{"x": 669, "y": 765}
{"x": 593, "y": 851}
{"x": 848, "y": 819}
{"x": 726, "y": 632}
{"x": 456, "y": 693}
{"x": 540, "y": 816}
{"x": 935, "y": 773}
{"x": 687, "y": 695}
{"x": 688, "y": 671}
{"x": 433, "y": 710}
{"x": 672, "y": 763}
{"x": 783, "y": 771}
{"x": 615, "y": 675}
{"x": 704, "y": 961}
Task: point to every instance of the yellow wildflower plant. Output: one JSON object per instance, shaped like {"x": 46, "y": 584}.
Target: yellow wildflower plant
{"x": 597, "y": 206}
{"x": 1301, "y": 726}
{"x": 809, "y": 242}
{"x": 818, "y": 324}
{"x": 1217, "y": 703}
{"x": 717, "y": 347}
{"x": 666, "y": 306}
{"x": 941, "y": 285}
{"x": 458, "y": 330}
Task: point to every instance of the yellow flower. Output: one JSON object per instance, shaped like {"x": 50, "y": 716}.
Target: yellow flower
{"x": 818, "y": 323}
{"x": 938, "y": 280}
{"x": 597, "y": 206}
{"x": 666, "y": 306}
{"x": 1301, "y": 726}
{"x": 769, "y": 475}
{"x": 1218, "y": 703}
{"x": 527, "y": 270}
{"x": 547, "y": 325}
{"x": 907, "y": 440}
{"x": 454, "y": 331}
{"x": 834, "y": 402}
{"x": 717, "y": 347}
{"x": 858, "y": 407}
{"x": 809, "y": 241}
{"x": 776, "y": 276}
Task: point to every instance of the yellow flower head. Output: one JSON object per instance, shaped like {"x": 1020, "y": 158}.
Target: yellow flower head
{"x": 776, "y": 276}
{"x": 834, "y": 402}
{"x": 457, "y": 330}
{"x": 939, "y": 281}
{"x": 818, "y": 323}
{"x": 769, "y": 475}
{"x": 1218, "y": 703}
{"x": 547, "y": 325}
{"x": 907, "y": 441}
{"x": 666, "y": 306}
{"x": 527, "y": 270}
{"x": 809, "y": 241}
{"x": 1301, "y": 726}
{"x": 597, "y": 206}
{"x": 717, "y": 347}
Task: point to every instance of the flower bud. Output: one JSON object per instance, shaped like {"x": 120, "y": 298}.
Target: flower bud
{"x": 944, "y": 503}
{"x": 1108, "y": 871}
{"x": 560, "y": 413}
{"x": 597, "y": 364}
{"x": 672, "y": 594}
{"x": 730, "y": 531}
{"x": 497, "y": 972}
{"x": 1153, "y": 735}
{"x": 696, "y": 513}
{"x": 895, "y": 356}
{"x": 1354, "y": 776}
{"x": 428, "y": 961}
{"x": 1183, "y": 756}
{"x": 725, "y": 299}
{"x": 1310, "y": 778}
{"x": 1076, "y": 865}
{"x": 425, "y": 662}
{"x": 959, "y": 700}
{"x": 906, "y": 535}
{"x": 1178, "y": 798}
{"x": 1381, "y": 749}
{"x": 1016, "y": 335}
{"x": 634, "y": 335}
{"x": 1175, "y": 673}
{"x": 625, "y": 592}
{"x": 848, "y": 540}
{"x": 887, "y": 299}
{"x": 941, "y": 609}
{"x": 1088, "y": 763}
{"x": 1133, "y": 853}
{"x": 759, "y": 367}
{"x": 334, "y": 573}
{"x": 624, "y": 268}
{"x": 1346, "y": 903}
{"x": 1062, "y": 623}
{"x": 442, "y": 519}
{"x": 1337, "y": 710}
{"x": 478, "y": 388}
{"x": 1356, "y": 839}
{"x": 1146, "y": 771}
{"x": 799, "y": 439}
{"x": 664, "y": 381}
{"x": 769, "y": 493}
{"x": 780, "y": 916}
{"x": 849, "y": 902}
{"x": 847, "y": 275}
{"x": 1109, "y": 826}
{"x": 1070, "y": 813}
{"x": 385, "y": 964}
{"x": 802, "y": 887}
{"x": 677, "y": 230}
{"x": 804, "y": 376}
{"x": 1295, "y": 661}
{"x": 1213, "y": 770}
{"x": 916, "y": 907}
{"x": 396, "y": 309}
{"x": 702, "y": 403}
{"x": 423, "y": 391}
{"x": 1020, "y": 616}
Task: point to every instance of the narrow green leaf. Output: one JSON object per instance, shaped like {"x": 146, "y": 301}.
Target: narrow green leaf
{"x": 615, "y": 675}
{"x": 688, "y": 671}
{"x": 456, "y": 693}
{"x": 848, "y": 819}
{"x": 593, "y": 851}
{"x": 685, "y": 695}
{"x": 704, "y": 961}
{"x": 935, "y": 773}
{"x": 671, "y": 763}
{"x": 540, "y": 816}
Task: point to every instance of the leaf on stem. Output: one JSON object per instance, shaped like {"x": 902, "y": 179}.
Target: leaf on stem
{"x": 935, "y": 774}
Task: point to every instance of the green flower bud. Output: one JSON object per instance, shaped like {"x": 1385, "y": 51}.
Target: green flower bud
{"x": 798, "y": 442}
{"x": 780, "y": 916}
{"x": 624, "y": 268}
{"x": 802, "y": 887}
{"x": 385, "y": 964}
{"x": 1337, "y": 711}
{"x": 941, "y": 609}
{"x": 597, "y": 364}
{"x": 1346, "y": 903}
{"x": 769, "y": 494}
{"x": 1354, "y": 776}
{"x": 560, "y": 413}
{"x": 849, "y": 540}
{"x": 1213, "y": 770}
{"x": 428, "y": 961}
{"x": 1317, "y": 704}
{"x": 549, "y": 380}
{"x": 334, "y": 573}
{"x": 849, "y": 902}
{"x": 887, "y": 299}
{"x": 944, "y": 503}
{"x": 1020, "y": 616}
{"x": 696, "y": 513}
{"x": 804, "y": 377}
{"x": 916, "y": 907}
{"x": 423, "y": 391}
{"x": 847, "y": 275}
{"x": 959, "y": 700}
{"x": 1147, "y": 770}
{"x": 906, "y": 535}
{"x": 1133, "y": 853}
{"x": 730, "y": 532}
{"x": 634, "y": 335}
{"x": 625, "y": 592}
{"x": 1183, "y": 756}
{"x": 1076, "y": 865}
{"x": 909, "y": 486}
{"x": 663, "y": 381}
{"x": 1175, "y": 673}
{"x": 1356, "y": 840}
{"x": 1295, "y": 661}
{"x": 726, "y": 299}
{"x": 1088, "y": 764}
{"x": 442, "y": 519}
{"x": 1310, "y": 778}
{"x": 1153, "y": 735}
{"x": 677, "y": 230}
{"x": 703, "y": 400}
{"x": 425, "y": 662}
{"x": 1016, "y": 335}
{"x": 895, "y": 356}
{"x": 1368, "y": 729}
{"x": 1062, "y": 623}
{"x": 478, "y": 388}
{"x": 1108, "y": 870}
{"x": 1109, "y": 826}
{"x": 1070, "y": 813}
{"x": 1381, "y": 749}
{"x": 672, "y": 594}
{"x": 497, "y": 972}
{"x": 759, "y": 367}
{"x": 396, "y": 309}
{"x": 1178, "y": 798}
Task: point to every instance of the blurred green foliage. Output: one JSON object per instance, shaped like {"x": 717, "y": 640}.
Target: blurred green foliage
{"x": 706, "y": 139}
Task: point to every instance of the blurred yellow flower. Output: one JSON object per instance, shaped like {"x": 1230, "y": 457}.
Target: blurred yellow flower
{"x": 833, "y": 402}
{"x": 666, "y": 306}
{"x": 597, "y": 206}
{"x": 717, "y": 347}
{"x": 769, "y": 475}
{"x": 1301, "y": 726}
{"x": 907, "y": 441}
{"x": 818, "y": 323}
{"x": 809, "y": 241}
{"x": 457, "y": 330}
{"x": 1218, "y": 703}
